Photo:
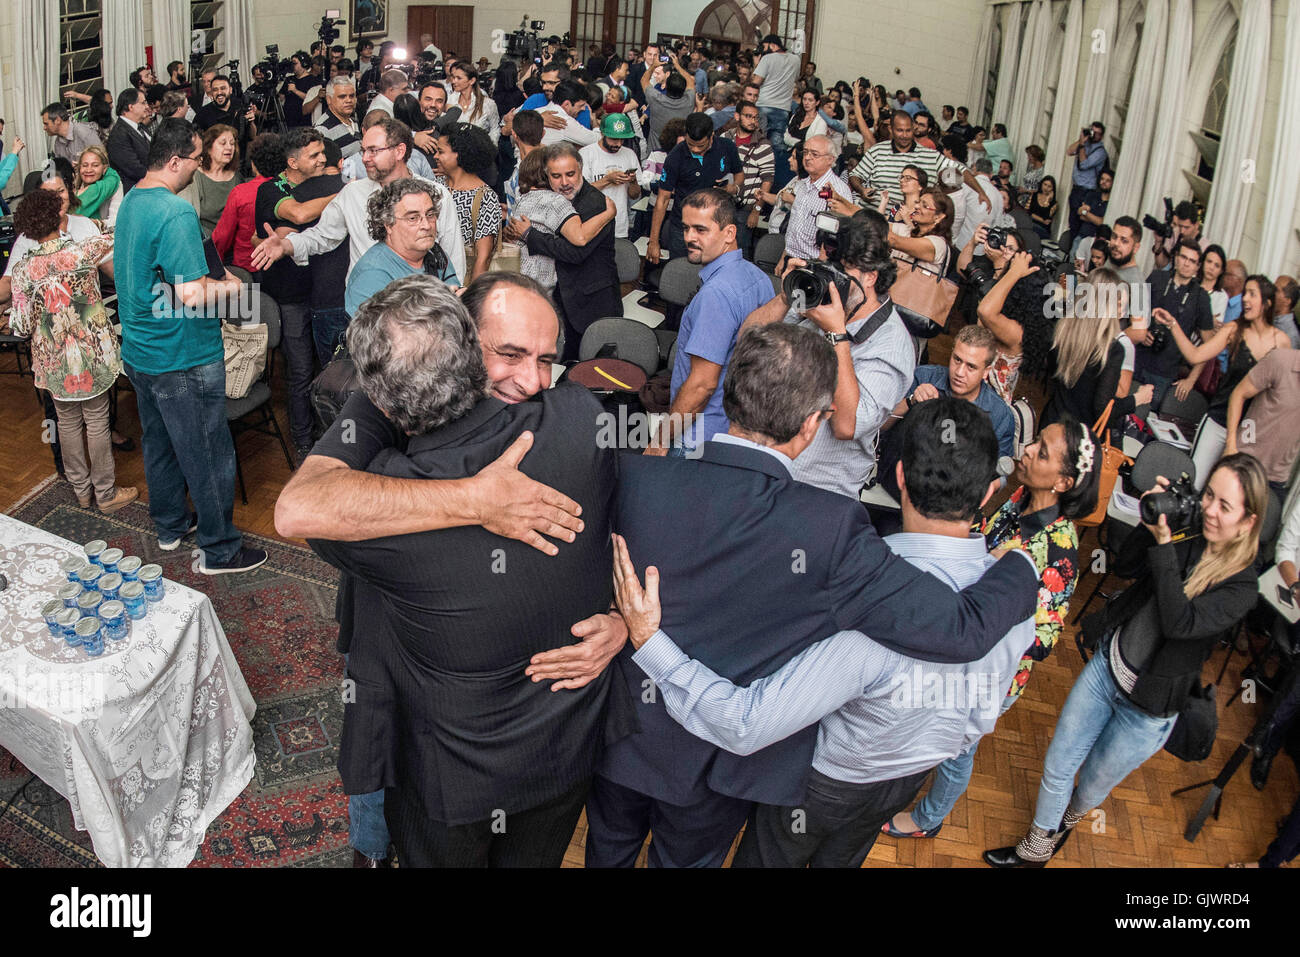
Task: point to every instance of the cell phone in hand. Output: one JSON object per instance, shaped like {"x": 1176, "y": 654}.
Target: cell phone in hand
{"x": 1284, "y": 595}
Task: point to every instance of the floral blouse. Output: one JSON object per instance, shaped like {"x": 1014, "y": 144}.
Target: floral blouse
{"x": 1004, "y": 374}
{"x": 58, "y": 303}
{"x": 1053, "y": 543}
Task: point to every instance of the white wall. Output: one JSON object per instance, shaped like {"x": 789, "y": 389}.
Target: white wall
{"x": 675, "y": 16}
{"x": 922, "y": 43}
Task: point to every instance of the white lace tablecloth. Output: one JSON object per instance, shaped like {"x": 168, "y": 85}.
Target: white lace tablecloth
{"x": 148, "y": 742}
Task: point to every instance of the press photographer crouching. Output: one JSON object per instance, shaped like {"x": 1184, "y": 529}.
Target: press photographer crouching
{"x": 1193, "y": 565}
{"x": 845, "y": 297}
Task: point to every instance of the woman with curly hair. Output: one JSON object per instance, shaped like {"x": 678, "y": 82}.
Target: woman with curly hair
{"x": 74, "y": 350}
{"x": 1059, "y": 475}
{"x": 464, "y": 153}
{"x": 1013, "y": 311}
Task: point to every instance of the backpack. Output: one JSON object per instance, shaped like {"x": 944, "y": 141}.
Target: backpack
{"x": 1026, "y": 424}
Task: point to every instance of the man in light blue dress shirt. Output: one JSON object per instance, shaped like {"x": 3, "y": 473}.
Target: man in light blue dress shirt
{"x": 886, "y": 719}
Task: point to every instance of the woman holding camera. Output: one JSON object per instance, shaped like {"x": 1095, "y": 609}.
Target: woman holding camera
{"x": 1059, "y": 475}
{"x": 1089, "y": 353}
{"x": 1248, "y": 339}
{"x": 1151, "y": 642}
{"x": 1013, "y": 311}
{"x": 912, "y": 181}
{"x": 930, "y": 239}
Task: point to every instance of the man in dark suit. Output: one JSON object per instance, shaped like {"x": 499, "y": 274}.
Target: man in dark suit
{"x": 735, "y": 538}
{"x": 587, "y": 286}
{"x": 482, "y": 767}
{"x": 128, "y": 142}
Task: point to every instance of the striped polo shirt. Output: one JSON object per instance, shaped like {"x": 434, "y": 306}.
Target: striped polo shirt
{"x": 759, "y": 163}
{"x": 881, "y": 165}
{"x": 346, "y": 136}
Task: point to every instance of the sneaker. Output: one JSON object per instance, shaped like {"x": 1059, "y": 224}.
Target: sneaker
{"x": 172, "y": 545}
{"x": 245, "y": 560}
{"x": 123, "y": 496}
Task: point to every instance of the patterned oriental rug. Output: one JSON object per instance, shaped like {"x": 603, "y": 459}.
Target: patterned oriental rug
{"x": 279, "y": 621}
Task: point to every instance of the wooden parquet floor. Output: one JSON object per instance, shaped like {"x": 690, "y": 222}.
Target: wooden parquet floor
{"x": 1142, "y": 824}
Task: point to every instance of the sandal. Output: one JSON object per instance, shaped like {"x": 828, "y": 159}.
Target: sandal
{"x": 888, "y": 828}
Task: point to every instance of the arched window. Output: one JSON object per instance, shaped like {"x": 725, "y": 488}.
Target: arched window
{"x": 1201, "y": 176}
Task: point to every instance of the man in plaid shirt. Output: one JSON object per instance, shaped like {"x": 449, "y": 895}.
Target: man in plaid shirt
{"x": 758, "y": 158}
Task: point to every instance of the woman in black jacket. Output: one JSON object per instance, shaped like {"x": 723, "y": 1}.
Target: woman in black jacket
{"x": 1089, "y": 357}
{"x": 1151, "y": 643}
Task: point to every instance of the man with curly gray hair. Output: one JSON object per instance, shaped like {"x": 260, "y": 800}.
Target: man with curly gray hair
{"x": 403, "y": 221}
{"x": 449, "y": 722}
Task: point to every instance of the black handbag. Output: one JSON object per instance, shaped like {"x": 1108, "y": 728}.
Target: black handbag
{"x": 1197, "y": 726}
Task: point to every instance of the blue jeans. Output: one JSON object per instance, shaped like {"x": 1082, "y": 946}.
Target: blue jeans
{"x": 774, "y": 125}
{"x": 950, "y": 782}
{"x": 327, "y": 328}
{"x": 1160, "y": 382}
{"x": 186, "y": 441}
{"x": 1101, "y": 737}
{"x": 367, "y": 827}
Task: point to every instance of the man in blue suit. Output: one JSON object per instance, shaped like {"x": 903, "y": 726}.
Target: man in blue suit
{"x": 755, "y": 568}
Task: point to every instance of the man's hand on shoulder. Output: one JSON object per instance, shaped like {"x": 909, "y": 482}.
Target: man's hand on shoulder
{"x": 512, "y": 505}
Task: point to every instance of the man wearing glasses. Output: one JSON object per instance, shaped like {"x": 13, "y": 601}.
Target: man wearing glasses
{"x": 405, "y": 213}
{"x": 385, "y": 148}
{"x": 1157, "y": 357}
{"x": 174, "y": 358}
{"x": 812, "y": 195}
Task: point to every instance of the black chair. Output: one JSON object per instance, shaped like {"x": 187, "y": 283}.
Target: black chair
{"x": 627, "y": 261}
{"x": 1190, "y": 409}
{"x": 632, "y": 341}
{"x": 22, "y": 348}
{"x": 678, "y": 282}
{"x": 253, "y": 412}
{"x": 1268, "y": 532}
{"x": 768, "y": 251}
{"x": 672, "y": 353}
{"x": 667, "y": 339}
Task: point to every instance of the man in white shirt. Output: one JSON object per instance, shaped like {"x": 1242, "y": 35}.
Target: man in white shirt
{"x": 775, "y": 77}
{"x": 392, "y": 84}
{"x": 384, "y": 149}
{"x": 569, "y": 100}
{"x": 611, "y": 167}
{"x": 427, "y": 40}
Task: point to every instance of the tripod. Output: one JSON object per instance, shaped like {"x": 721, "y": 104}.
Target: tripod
{"x": 1214, "y": 797}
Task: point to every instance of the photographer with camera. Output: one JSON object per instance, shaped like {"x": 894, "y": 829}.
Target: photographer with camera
{"x": 1195, "y": 579}
{"x": 1090, "y": 158}
{"x": 225, "y": 110}
{"x": 298, "y": 90}
{"x": 845, "y": 297}
{"x": 669, "y": 90}
{"x": 1182, "y": 222}
{"x": 1180, "y": 297}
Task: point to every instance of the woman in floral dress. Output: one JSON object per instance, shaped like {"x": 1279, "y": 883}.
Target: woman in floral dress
{"x": 56, "y": 301}
{"x": 1059, "y": 473}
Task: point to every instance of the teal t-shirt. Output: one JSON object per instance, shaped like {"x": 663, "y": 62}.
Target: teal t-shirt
{"x": 377, "y": 267}
{"x": 157, "y": 230}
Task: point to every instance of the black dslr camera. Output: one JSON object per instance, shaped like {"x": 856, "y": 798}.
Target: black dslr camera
{"x": 995, "y": 237}
{"x": 810, "y": 286}
{"x": 1180, "y": 503}
{"x": 1163, "y": 230}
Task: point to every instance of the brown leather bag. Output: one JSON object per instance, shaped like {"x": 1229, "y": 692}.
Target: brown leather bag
{"x": 924, "y": 288}
{"x": 1111, "y": 459}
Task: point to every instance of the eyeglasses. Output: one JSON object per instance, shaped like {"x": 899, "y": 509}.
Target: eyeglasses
{"x": 815, "y": 154}
{"x": 414, "y": 219}
{"x": 909, "y": 177}
{"x": 1189, "y": 259}
{"x": 375, "y": 150}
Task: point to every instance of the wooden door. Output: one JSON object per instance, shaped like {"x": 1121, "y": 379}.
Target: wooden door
{"x": 452, "y": 28}
{"x": 621, "y": 24}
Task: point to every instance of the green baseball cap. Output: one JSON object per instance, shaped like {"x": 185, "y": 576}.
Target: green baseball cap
{"x": 617, "y": 126}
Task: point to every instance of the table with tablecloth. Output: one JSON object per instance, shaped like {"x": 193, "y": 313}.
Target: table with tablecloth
{"x": 150, "y": 741}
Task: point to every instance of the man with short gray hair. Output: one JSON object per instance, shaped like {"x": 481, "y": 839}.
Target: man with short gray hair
{"x": 339, "y": 122}
{"x": 806, "y": 196}
{"x": 70, "y": 137}
{"x": 392, "y": 84}
{"x": 450, "y": 724}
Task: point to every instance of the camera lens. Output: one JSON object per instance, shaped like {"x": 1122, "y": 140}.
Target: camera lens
{"x": 805, "y": 285}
